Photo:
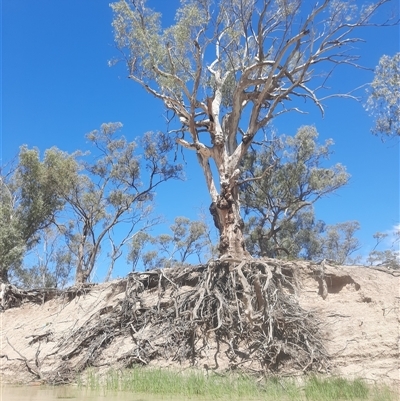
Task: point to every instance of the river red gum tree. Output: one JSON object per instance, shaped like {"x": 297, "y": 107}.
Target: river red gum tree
{"x": 227, "y": 68}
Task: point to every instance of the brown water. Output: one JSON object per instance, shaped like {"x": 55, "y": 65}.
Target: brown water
{"x": 66, "y": 393}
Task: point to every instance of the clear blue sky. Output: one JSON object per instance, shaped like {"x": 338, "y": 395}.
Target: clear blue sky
{"x": 57, "y": 86}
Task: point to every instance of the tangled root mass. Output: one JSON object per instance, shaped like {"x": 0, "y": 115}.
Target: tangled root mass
{"x": 226, "y": 314}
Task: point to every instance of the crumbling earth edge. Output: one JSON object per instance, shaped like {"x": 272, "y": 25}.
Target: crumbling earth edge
{"x": 50, "y": 336}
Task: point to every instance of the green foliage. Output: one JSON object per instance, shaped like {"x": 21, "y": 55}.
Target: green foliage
{"x": 31, "y": 197}
{"x": 390, "y": 256}
{"x": 42, "y": 186}
{"x": 51, "y": 264}
{"x": 339, "y": 242}
{"x": 281, "y": 181}
{"x": 116, "y": 187}
{"x": 138, "y": 28}
{"x": 226, "y": 69}
{"x": 384, "y": 96}
{"x": 12, "y": 244}
{"x": 303, "y": 236}
{"x": 136, "y": 246}
{"x": 188, "y": 239}
{"x": 94, "y": 194}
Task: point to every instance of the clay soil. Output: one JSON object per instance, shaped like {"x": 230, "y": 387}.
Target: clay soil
{"x": 55, "y": 335}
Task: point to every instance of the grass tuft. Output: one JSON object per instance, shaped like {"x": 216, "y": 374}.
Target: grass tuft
{"x": 335, "y": 388}
{"x": 196, "y": 385}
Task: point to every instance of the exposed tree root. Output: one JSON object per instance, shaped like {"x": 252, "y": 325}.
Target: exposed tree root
{"x": 248, "y": 309}
{"x": 242, "y": 313}
{"x": 13, "y": 297}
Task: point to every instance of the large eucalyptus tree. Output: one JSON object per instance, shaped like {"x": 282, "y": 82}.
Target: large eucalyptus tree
{"x": 227, "y": 68}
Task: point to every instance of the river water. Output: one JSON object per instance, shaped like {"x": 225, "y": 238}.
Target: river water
{"x": 66, "y": 393}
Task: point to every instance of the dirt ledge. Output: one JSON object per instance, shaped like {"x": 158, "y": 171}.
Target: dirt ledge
{"x": 358, "y": 308}
{"x": 361, "y": 319}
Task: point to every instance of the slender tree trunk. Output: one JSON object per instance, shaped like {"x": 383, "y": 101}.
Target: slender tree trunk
{"x": 81, "y": 276}
{"x": 83, "y": 269}
{"x": 82, "y": 273}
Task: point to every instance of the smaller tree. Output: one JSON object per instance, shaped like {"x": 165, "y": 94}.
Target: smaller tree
{"x": 384, "y": 97}
{"x": 339, "y": 242}
{"x": 32, "y": 194}
{"x": 111, "y": 193}
{"x": 187, "y": 239}
{"x": 283, "y": 179}
{"x": 136, "y": 248}
{"x": 52, "y": 263}
{"x": 42, "y": 187}
{"x": 301, "y": 237}
{"x": 12, "y": 244}
{"x": 135, "y": 241}
{"x": 390, "y": 256}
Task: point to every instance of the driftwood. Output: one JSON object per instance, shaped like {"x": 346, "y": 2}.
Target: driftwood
{"x": 246, "y": 311}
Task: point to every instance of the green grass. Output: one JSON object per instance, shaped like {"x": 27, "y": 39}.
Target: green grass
{"x": 196, "y": 385}
{"x": 336, "y": 388}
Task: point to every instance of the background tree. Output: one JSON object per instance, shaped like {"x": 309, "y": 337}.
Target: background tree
{"x": 42, "y": 187}
{"x": 189, "y": 241}
{"x": 135, "y": 240}
{"x": 384, "y": 97}
{"x": 339, "y": 242}
{"x": 31, "y": 197}
{"x": 305, "y": 237}
{"x": 298, "y": 238}
{"x": 302, "y": 236}
{"x": 111, "y": 192}
{"x": 227, "y": 68}
{"x": 390, "y": 255}
{"x": 12, "y": 245}
{"x": 51, "y": 263}
{"x": 283, "y": 178}
{"x": 136, "y": 248}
